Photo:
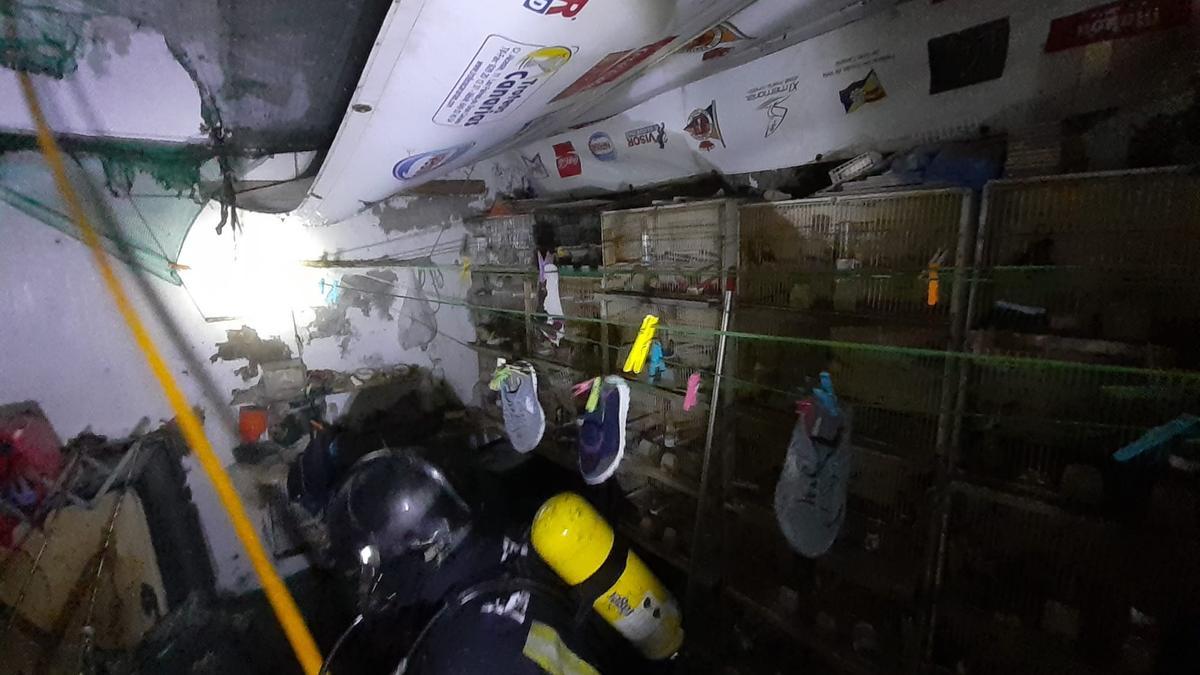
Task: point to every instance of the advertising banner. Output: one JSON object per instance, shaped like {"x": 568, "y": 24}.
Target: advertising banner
{"x": 451, "y": 82}
{"x": 893, "y": 81}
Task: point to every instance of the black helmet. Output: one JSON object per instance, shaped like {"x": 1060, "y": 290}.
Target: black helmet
{"x": 394, "y": 503}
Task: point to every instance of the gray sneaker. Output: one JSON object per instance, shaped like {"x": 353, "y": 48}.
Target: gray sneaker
{"x": 810, "y": 499}
{"x": 524, "y": 419}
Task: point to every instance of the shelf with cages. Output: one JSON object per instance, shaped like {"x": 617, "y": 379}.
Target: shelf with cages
{"x": 684, "y": 250}
{"x": 890, "y": 255}
{"x": 863, "y": 274}
{"x": 764, "y": 615}
{"x": 880, "y": 546}
{"x": 661, "y": 522}
{"x": 1087, "y": 282}
{"x": 1078, "y": 340}
{"x": 822, "y": 598}
{"x": 504, "y": 253}
{"x": 1099, "y": 595}
{"x": 674, "y": 262}
{"x": 868, "y": 288}
{"x": 501, "y": 243}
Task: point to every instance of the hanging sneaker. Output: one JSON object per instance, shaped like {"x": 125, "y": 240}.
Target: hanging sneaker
{"x": 810, "y": 499}
{"x": 555, "y": 327}
{"x": 524, "y": 419}
{"x": 602, "y": 432}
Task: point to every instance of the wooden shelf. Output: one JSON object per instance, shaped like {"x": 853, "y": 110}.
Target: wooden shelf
{"x": 836, "y": 659}
{"x": 677, "y": 560}
{"x": 644, "y": 469}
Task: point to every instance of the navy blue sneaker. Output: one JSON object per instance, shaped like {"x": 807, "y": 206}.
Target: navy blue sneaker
{"x": 602, "y": 432}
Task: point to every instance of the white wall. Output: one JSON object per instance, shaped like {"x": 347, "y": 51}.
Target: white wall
{"x": 66, "y": 347}
{"x": 433, "y": 57}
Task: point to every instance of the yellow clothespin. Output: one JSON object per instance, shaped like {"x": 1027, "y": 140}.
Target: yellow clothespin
{"x": 465, "y": 273}
{"x": 594, "y": 397}
{"x": 636, "y": 360}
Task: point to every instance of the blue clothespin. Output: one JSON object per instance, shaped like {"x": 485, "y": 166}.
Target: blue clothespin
{"x": 827, "y": 417}
{"x": 1159, "y": 437}
{"x": 657, "y": 365}
{"x": 825, "y": 394}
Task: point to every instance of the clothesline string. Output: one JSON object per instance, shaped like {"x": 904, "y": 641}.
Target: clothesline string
{"x": 909, "y": 352}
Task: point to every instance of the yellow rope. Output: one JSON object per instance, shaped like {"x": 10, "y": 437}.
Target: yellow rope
{"x": 281, "y": 600}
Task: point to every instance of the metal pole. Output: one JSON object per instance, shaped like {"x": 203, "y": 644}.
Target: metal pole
{"x": 705, "y": 467}
{"x": 712, "y": 406}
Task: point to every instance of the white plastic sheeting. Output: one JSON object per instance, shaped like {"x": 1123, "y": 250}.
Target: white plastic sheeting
{"x": 450, "y": 82}
{"x": 766, "y": 26}
{"x": 920, "y": 73}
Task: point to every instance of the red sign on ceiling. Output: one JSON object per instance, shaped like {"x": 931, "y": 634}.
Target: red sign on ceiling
{"x": 612, "y": 67}
{"x": 567, "y": 160}
{"x": 1114, "y": 21}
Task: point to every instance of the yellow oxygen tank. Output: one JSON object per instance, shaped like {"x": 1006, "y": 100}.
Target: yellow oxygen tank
{"x": 579, "y": 545}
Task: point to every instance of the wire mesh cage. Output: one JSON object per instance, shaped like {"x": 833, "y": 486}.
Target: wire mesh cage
{"x": 661, "y": 522}
{"x": 1059, "y": 558}
{"x": 501, "y": 251}
{"x": 684, "y": 352}
{"x": 1090, "y": 272}
{"x": 1038, "y": 425}
{"x": 502, "y": 241}
{"x": 850, "y": 605}
{"x": 864, "y": 274}
{"x": 1107, "y": 256}
{"x": 1073, "y": 338}
{"x": 863, "y": 288}
{"x": 571, "y": 232}
{"x": 669, "y": 261}
{"x": 1033, "y": 588}
{"x": 673, "y": 262}
{"x": 680, "y": 250}
{"x": 889, "y": 254}
{"x": 578, "y": 294}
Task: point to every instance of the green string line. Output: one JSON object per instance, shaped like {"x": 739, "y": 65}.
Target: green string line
{"x": 910, "y": 352}
{"x": 796, "y": 393}
{"x": 946, "y": 272}
{"x": 655, "y": 388}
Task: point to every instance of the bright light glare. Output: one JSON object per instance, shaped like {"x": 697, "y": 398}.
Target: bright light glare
{"x": 367, "y": 554}
{"x": 256, "y": 276}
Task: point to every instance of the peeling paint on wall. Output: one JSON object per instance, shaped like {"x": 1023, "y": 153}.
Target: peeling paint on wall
{"x": 278, "y": 76}
{"x": 244, "y": 343}
{"x": 369, "y": 292}
{"x": 42, "y": 40}
{"x": 422, "y": 319}
{"x": 416, "y": 212}
{"x": 265, "y": 70}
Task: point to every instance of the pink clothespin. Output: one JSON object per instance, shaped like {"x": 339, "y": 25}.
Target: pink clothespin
{"x": 582, "y": 388}
{"x": 693, "y": 391}
{"x": 806, "y": 412}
